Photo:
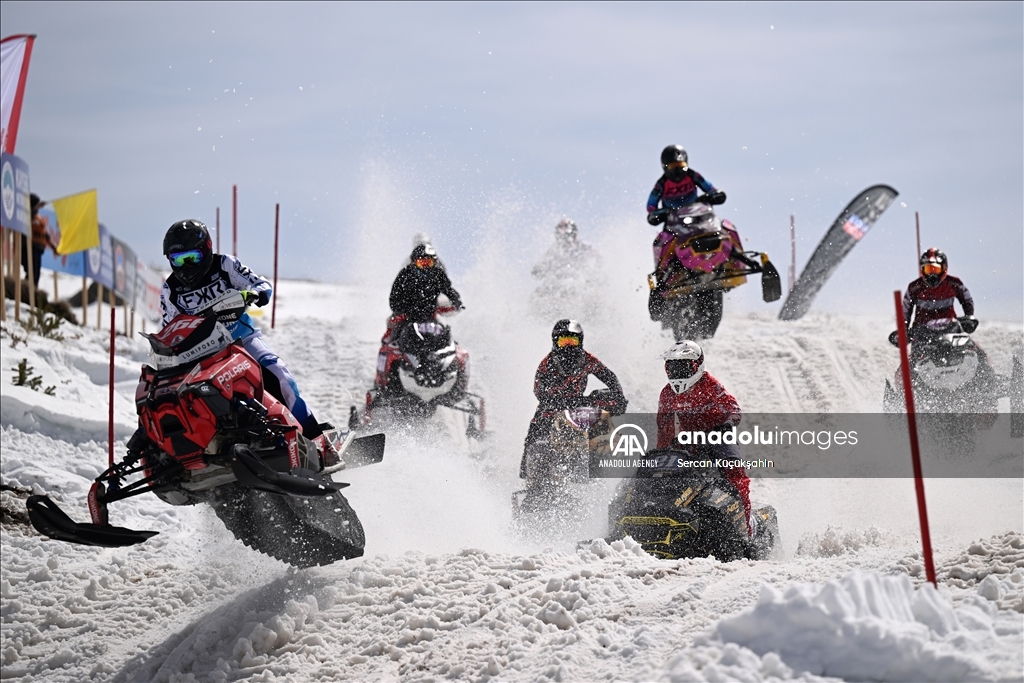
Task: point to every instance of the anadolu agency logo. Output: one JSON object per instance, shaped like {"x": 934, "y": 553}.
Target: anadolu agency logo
{"x": 628, "y": 440}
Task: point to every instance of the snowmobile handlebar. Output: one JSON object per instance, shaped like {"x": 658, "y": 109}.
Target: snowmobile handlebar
{"x": 967, "y": 323}
{"x": 659, "y": 216}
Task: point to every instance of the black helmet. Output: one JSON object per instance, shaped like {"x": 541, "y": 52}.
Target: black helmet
{"x": 567, "y": 344}
{"x": 674, "y": 154}
{"x": 933, "y": 266}
{"x": 188, "y": 247}
{"x": 423, "y": 256}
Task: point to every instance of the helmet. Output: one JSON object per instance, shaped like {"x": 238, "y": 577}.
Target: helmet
{"x": 674, "y": 158}
{"x": 684, "y": 365}
{"x": 188, "y": 247}
{"x": 933, "y": 267}
{"x": 566, "y": 230}
{"x": 567, "y": 345}
{"x": 424, "y": 256}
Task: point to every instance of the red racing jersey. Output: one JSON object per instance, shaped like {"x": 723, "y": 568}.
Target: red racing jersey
{"x": 935, "y": 303}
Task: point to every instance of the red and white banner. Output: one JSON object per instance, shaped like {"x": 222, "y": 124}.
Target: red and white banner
{"x": 15, "y": 52}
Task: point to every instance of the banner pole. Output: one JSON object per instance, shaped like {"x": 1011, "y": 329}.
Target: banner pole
{"x": 234, "y": 221}
{"x": 3, "y": 274}
{"x": 273, "y": 303}
{"x": 915, "y": 451}
{"x": 99, "y": 305}
{"x": 792, "y": 247}
{"x": 110, "y": 410}
{"x": 17, "y": 276}
{"x": 85, "y": 300}
{"x": 30, "y": 268}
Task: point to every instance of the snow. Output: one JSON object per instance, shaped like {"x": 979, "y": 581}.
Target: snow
{"x": 445, "y": 589}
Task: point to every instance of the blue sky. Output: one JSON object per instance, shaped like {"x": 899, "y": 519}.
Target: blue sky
{"x": 490, "y": 121}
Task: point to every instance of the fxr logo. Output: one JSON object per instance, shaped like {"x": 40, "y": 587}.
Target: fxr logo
{"x": 629, "y": 442}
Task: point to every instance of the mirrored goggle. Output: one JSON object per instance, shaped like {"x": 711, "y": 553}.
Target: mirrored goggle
{"x": 565, "y": 341}
{"x": 681, "y": 368}
{"x": 677, "y": 166}
{"x": 932, "y": 269}
{"x": 426, "y": 262}
{"x": 192, "y": 257}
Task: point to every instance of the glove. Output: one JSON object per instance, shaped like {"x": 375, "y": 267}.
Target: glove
{"x": 716, "y": 197}
{"x": 655, "y": 218}
{"x": 252, "y": 297}
{"x": 969, "y": 323}
{"x": 894, "y": 337}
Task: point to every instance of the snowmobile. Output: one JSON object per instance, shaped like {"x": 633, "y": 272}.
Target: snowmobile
{"x": 569, "y": 278}
{"x": 558, "y": 482}
{"x": 694, "y": 512}
{"x": 419, "y": 369}
{"x": 213, "y": 429}
{"x": 949, "y": 372}
{"x": 698, "y": 257}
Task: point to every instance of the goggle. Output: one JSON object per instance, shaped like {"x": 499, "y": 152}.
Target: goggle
{"x": 562, "y": 342}
{"x": 425, "y": 262}
{"x": 677, "y": 166}
{"x": 179, "y": 259}
{"x": 681, "y": 367}
{"x": 932, "y": 269}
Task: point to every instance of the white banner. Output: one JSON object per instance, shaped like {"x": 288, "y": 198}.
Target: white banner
{"x": 15, "y": 52}
{"x": 147, "y": 292}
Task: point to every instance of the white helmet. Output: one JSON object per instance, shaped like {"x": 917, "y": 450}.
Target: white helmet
{"x": 684, "y": 365}
{"x": 420, "y": 238}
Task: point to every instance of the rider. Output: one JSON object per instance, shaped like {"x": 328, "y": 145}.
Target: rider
{"x": 417, "y": 286}
{"x": 561, "y": 381}
{"x": 933, "y": 293}
{"x": 678, "y": 186}
{"x": 694, "y": 400}
{"x": 198, "y": 276}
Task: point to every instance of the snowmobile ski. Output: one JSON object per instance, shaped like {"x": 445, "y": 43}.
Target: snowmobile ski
{"x": 50, "y": 520}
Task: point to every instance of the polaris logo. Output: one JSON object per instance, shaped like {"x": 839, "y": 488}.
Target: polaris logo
{"x": 233, "y": 372}
{"x": 629, "y": 442}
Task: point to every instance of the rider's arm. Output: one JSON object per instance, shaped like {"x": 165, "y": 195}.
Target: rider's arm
{"x": 655, "y": 198}
{"x": 908, "y": 305}
{"x": 448, "y": 290}
{"x": 963, "y": 294}
{"x": 167, "y": 309}
{"x": 701, "y": 182}
{"x": 243, "y": 278}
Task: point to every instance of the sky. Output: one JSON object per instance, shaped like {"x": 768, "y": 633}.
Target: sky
{"x": 483, "y": 124}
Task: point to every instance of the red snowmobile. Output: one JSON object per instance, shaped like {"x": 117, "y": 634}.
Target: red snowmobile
{"x": 419, "y": 369}
{"x": 211, "y": 429}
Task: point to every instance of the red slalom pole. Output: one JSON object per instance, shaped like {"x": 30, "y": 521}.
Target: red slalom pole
{"x": 234, "y": 221}
{"x": 218, "y": 229}
{"x": 273, "y": 303}
{"x": 917, "y": 225}
{"x": 915, "y": 450}
{"x": 110, "y": 413}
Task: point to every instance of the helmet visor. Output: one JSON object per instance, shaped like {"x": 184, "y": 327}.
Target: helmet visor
{"x": 931, "y": 268}
{"x": 425, "y": 262}
{"x": 567, "y": 340}
{"x": 676, "y": 166}
{"x": 681, "y": 368}
{"x": 180, "y": 259}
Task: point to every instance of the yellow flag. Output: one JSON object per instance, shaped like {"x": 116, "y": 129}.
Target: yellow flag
{"x": 79, "y": 219}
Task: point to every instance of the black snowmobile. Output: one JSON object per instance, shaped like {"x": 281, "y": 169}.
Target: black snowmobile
{"x": 949, "y": 372}
{"x": 693, "y": 512}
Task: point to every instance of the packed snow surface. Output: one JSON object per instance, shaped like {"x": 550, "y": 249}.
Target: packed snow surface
{"x": 446, "y": 590}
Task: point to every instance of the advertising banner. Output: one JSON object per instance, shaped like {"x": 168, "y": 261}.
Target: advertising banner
{"x": 99, "y": 261}
{"x": 148, "y": 285}
{"x": 124, "y": 270}
{"x": 16, "y": 213}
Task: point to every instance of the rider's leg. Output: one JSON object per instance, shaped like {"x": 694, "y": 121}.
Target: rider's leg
{"x": 259, "y": 350}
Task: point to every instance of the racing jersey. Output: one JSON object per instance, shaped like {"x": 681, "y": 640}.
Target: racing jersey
{"x": 676, "y": 193}
{"x": 225, "y": 274}
{"x": 935, "y": 303}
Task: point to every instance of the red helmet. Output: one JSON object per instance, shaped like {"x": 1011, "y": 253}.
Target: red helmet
{"x": 933, "y": 267}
